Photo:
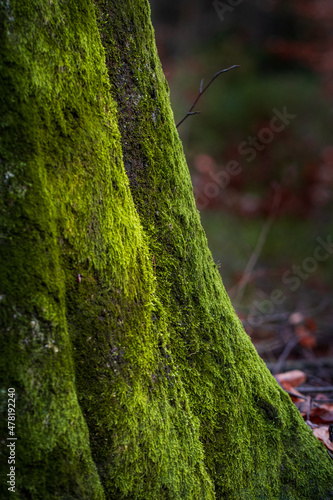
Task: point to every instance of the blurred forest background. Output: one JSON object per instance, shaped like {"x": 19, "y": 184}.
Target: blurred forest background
{"x": 262, "y": 221}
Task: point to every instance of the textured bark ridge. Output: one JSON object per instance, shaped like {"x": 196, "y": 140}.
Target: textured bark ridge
{"x": 134, "y": 377}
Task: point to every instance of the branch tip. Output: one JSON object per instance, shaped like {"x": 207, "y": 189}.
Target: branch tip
{"x": 201, "y": 91}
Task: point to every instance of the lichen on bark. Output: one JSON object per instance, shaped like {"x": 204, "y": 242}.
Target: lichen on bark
{"x": 134, "y": 377}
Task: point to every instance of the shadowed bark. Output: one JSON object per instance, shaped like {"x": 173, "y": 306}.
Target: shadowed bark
{"x": 134, "y": 377}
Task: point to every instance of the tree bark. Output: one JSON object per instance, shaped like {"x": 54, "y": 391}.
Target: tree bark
{"x": 134, "y": 377}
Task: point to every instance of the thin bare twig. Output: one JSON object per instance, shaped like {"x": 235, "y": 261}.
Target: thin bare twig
{"x": 201, "y": 91}
{"x": 240, "y": 287}
{"x": 284, "y": 355}
{"x": 316, "y": 389}
{"x": 294, "y": 395}
{"x": 290, "y": 392}
{"x": 303, "y": 364}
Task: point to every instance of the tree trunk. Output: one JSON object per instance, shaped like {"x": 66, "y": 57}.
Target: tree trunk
{"x": 133, "y": 376}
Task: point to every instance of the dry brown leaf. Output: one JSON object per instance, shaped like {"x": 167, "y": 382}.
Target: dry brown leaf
{"x": 322, "y": 414}
{"x": 294, "y": 378}
{"x": 302, "y": 402}
{"x": 323, "y": 434}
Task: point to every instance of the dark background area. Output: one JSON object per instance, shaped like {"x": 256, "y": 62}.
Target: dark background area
{"x": 263, "y": 222}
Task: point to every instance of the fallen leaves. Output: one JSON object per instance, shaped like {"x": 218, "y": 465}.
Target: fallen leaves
{"x": 323, "y": 434}
{"x": 294, "y": 378}
{"x": 317, "y": 412}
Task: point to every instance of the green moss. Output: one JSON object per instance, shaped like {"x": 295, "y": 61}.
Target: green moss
{"x": 248, "y": 428}
{"x": 44, "y": 95}
{"x": 71, "y": 213}
{"x": 143, "y": 351}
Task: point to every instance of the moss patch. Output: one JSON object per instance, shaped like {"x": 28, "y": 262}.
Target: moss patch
{"x": 248, "y": 427}
{"x": 134, "y": 377}
{"x": 80, "y": 277}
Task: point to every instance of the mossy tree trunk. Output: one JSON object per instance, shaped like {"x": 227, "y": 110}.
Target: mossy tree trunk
{"x": 134, "y": 378}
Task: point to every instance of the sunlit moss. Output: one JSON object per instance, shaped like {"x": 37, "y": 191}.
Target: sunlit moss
{"x": 115, "y": 320}
{"x": 256, "y": 444}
